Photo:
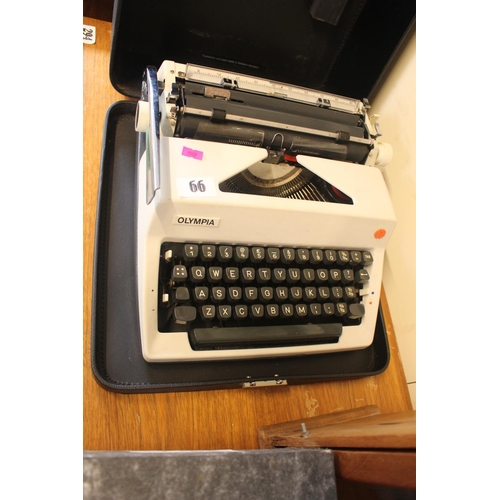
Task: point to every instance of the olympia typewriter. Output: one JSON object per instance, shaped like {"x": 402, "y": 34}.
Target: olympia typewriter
{"x": 262, "y": 217}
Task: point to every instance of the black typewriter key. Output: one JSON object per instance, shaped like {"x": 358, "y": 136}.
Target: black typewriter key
{"x": 300, "y": 311}
{"x": 224, "y": 253}
{"x": 251, "y": 293}
{"x": 293, "y": 275}
{"x": 287, "y": 255}
{"x": 316, "y": 256}
{"x": 207, "y": 253}
{"x": 214, "y": 274}
{"x": 321, "y": 276}
{"x": 234, "y": 293}
{"x": 241, "y": 254}
{"x": 218, "y": 293}
{"x": 256, "y": 255}
{"x": 302, "y": 256}
{"x": 272, "y": 311}
{"x": 340, "y": 309}
{"x": 241, "y": 311}
{"x": 197, "y": 274}
{"x": 335, "y": 275}
{"x": 307, "y": 276}
{"x": 310, "y": 293}
{"x": 231, "y": 274}
{"x": 330, "y": 256}
{"x": 279, "y": 275}
{"x": 356, "y": 311}
{"x": 343, "y": 257}
{"x": 295, "y": 293}
{"x": 190, "y": 252}
{"x": 367, "y": 258}
{"x": 328, "y": 309}
{"x": 281, "y": 293}
{"x": 266, "y": 293}
{"x": 347, "y": 276}
{"x": 272, "y": 255}
{"x": 263, "y": 274}
{"x": 184, "y": 314}
{"x": 201, "y": 293}
{"x": 361, "y": 276}
{"x": 179, "y": 273}
{"x": 356, "y": 257}
{"x": 224, "y": 312}
{"x": 247, "y": 275}
{"x": 323, "y": 293}
{"x": 182, "y": 294}
{"x": 257, "y": 311}
{"x": 314, "y": 310}
{"x": 337, "y": 292}
{"x": 208, "y": 312}
{"x": 286, "y": 310}
{"x": 350, "y": 293}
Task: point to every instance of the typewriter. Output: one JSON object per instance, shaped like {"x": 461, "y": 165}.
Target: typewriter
{"x": 263, "y": 217}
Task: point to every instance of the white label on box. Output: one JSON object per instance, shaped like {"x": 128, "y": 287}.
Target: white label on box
{"x": 88, "y": 34}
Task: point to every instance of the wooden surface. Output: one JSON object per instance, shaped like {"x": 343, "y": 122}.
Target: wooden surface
{"x": 225, "y": 419}
{"x": 395, "y": 469}
{"x": 387, "y": 430}
{"x": 368, "y": 446}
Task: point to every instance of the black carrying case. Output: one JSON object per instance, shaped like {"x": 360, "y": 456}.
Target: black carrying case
{"x": 242, "y": 37}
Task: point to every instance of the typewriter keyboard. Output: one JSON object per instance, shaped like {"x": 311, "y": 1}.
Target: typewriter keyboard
{"x": 237, "y": 297}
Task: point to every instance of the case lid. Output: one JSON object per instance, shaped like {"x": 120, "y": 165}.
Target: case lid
{"x": 337, "y": 46}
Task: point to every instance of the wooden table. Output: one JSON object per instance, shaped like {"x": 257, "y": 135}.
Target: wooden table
{"x": 224, "y": 419}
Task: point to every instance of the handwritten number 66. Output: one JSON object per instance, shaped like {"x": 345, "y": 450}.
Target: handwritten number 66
{"x": 197, "y": 186}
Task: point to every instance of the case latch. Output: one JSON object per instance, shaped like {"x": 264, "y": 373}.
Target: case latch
{"x": 265, "y": 383}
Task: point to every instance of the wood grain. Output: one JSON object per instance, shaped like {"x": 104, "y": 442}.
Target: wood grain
{"x": 195, "y": 420}
{"x": 387, "y": 430}
{"x": 387, "y": 468}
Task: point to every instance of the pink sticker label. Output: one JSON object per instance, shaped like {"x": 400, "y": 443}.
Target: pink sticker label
{"x": 192, "y": 153}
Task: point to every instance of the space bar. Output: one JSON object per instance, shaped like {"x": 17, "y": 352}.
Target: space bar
{"x": 264, "y": 336}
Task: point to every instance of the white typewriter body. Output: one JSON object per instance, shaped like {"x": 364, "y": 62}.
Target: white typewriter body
{"x": 179, "y": 212}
